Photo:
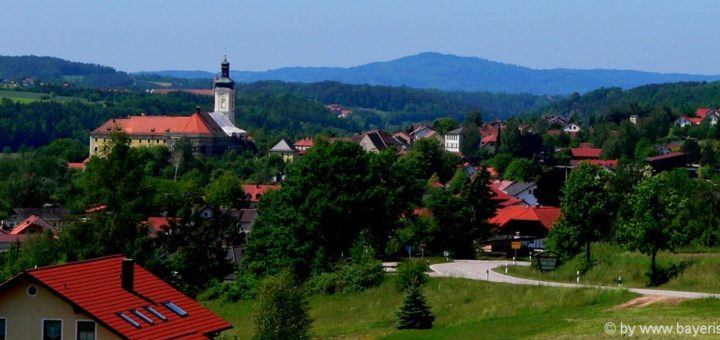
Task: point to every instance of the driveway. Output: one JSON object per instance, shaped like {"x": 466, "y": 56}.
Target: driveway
{"x": 483, "y": 270}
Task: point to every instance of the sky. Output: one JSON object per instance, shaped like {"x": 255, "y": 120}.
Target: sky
{"x": 134, "y": 35}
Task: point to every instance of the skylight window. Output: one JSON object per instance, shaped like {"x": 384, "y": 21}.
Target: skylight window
{"x": 129, "y": 319}
{"x": 156, "y": 313}
{"x": 143, "y": 316}
{"x": 177, "y": 310}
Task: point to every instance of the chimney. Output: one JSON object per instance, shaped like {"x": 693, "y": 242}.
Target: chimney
{"x": 128, "y": 274}
{"x": 197, "y": 109}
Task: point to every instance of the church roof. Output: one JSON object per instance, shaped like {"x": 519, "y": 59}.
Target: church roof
{"x": 226, "y": 125}
{"x": 195, "y": 124}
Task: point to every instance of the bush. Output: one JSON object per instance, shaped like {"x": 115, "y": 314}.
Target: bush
{"x": 281, "y": 310}
{"x": 244, "y": 288}
{"x": 410, "y": 273}
{"x": 347, "y": 278}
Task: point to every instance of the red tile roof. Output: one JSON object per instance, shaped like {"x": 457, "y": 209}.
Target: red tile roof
{"x": 30, "y": 225}
{"x": 489, "y": 134}
{"x": 501, "y": 198}
{"x": 199, "y": 92}
{"x": 305, "y": 143}
{"x": 195, "y": 124}
{"x": 257, "y": 190}
{"x": 94, "y": 287}
{"x": 586, "y": 152}
{"x": 545, "y": 215}
{"x": 96, "y": 208}
{"x": 701, "y": 112}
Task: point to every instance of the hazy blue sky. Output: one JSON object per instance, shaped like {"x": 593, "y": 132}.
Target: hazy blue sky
{"x": 662, "y": 36}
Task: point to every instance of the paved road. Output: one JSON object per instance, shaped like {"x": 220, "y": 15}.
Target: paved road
{"x": 483, "y": 270}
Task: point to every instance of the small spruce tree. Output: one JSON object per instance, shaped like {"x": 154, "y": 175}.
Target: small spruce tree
{"x": 415, "y": 313}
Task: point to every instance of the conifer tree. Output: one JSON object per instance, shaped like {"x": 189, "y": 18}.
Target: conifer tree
{"x": 415, "y": 313}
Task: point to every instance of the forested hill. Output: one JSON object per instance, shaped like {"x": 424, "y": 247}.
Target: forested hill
{"x": 51, "y": 68}
{"x": 683, "y": 98}
{"x": 404, "y": 104}
{"x": 455, "y": 73}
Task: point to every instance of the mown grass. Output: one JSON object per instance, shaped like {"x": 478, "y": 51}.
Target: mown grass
{"x": 25, "y": 97}
{"x": 699, "y": 271}
{"x": 467, "y": 309}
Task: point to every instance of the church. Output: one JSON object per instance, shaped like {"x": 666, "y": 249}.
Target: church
{"x": 210, "y": 133}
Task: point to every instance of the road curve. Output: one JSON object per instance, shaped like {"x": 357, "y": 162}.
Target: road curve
{"x": 483, "y": 270}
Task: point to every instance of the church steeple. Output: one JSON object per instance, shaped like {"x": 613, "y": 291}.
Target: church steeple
{"x": 225, "y": 80}
{"x": 225, "y": 92}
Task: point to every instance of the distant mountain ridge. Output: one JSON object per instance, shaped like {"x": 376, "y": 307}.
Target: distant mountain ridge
{"x": 454, "y": 73}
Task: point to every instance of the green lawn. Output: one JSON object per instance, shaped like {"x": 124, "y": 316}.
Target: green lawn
{"x": 28, "y": 97}
{"x": 467, "y": 309}
{"x": 700, "y": 271}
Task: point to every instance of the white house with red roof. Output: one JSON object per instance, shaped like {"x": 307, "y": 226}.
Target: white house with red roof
{"x": 712, "y": 116}
{"x": 104, "y": 298}
{"x": 253, "y": 192}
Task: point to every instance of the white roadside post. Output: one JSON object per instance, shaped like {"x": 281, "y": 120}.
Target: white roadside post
{"x": 506, "y": 265}
{"x": 577, "y": 276}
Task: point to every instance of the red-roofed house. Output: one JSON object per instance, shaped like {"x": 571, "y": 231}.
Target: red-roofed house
{"x": 32, "y": 225}
{"x": 104, "y": 298}
{"x": 701, "y": 114}
{"x": 206, "y": 136}
{"x": 303, "y": 145}
{"x": 253, "y": 192}
{"x": 528, "y": 220}
{"x": 585, "y": 151}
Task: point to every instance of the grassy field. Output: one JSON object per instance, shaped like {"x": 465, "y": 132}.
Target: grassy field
{"x": 468, "y": 309}
{"x": 697, "y": 271}
{"x": 29, "y": 97}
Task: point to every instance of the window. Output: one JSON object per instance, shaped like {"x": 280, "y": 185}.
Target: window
{"x": 129, "y": 320}
{"x": 52, "y": 329}
{"x": 156, "y": 313}
{"x": 173, "y": 307}
{"x": 85, "y": 330}
{"x": 32, "y": 290}
{"x": 3, "y": 328}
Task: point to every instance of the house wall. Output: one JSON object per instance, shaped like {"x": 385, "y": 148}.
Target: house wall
{"x": 24, "y": 314}
{"x": 528, "y": 196}
{"x": 452, "y": 143}
{"x": 98, "y": 142}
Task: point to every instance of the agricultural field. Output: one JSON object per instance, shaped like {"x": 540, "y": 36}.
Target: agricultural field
{"x": 467, "y": 309}
{"x": 29, "y": 97}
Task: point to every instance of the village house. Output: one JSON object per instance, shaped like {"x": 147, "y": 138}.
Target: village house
{"x": 253, "y": 192}
{"x": 453, "y": 138}
{"x": 288, "y": 152}
{"x": 702, "y": 114}
{"x": 33, "y": 225}
{"x": 666, "y": 162}
{"x": 104, "y": 298}
{"x": 54, "y": 216}
{"x": 523, "y": 191}
{"x": 376, "y": 141}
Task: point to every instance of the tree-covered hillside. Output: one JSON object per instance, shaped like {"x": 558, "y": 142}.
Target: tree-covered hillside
{"x": 51, "y": 68}
{"x": 683, "y": 98}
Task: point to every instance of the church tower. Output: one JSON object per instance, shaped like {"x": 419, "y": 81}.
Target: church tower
{"x": 224, "y": 89}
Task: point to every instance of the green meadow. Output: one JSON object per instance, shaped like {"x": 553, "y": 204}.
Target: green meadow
{"x": 29, "y": 97}
{"x": 467, "y": 309}
{"x": 696, "y": 271}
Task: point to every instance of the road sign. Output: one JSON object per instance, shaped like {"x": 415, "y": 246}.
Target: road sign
{"x": 547, "y": 261}
{"x": 516, "y": 245}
